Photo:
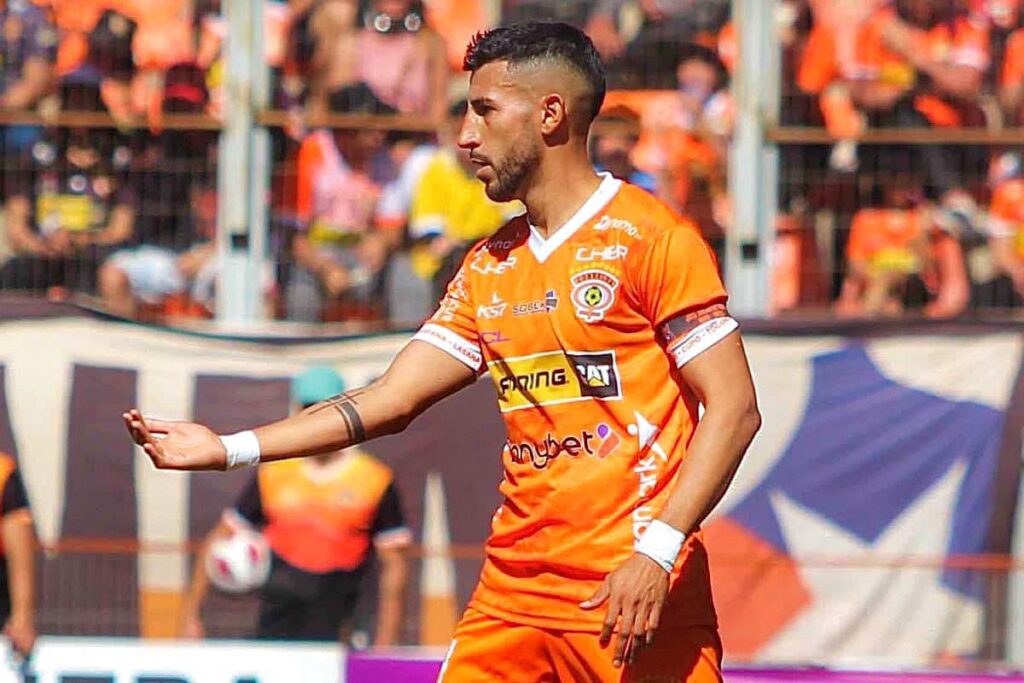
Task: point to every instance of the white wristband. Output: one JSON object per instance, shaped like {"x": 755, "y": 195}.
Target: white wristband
{"x": 243, "y": 450}
{"x": 662, "y": 543}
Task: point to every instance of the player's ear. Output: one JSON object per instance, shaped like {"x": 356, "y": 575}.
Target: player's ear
{"x": 553, "y": 113}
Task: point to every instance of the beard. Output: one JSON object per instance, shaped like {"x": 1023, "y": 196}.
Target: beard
{"x": 511, "y": 172}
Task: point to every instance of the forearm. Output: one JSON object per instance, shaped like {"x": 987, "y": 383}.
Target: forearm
{"x": 959, "y": 81}
{"x": 29, "y": 88}
{"x": 338, "y": 423}
{"x": 714, "y": 455}
{"x": 21, "y": 555}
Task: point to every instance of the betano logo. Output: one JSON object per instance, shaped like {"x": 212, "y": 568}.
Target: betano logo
{"x": 596, "y": 445}
{"x": 555, "y": 377}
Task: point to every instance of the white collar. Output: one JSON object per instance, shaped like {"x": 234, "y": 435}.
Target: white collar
{"x": 543, "y": 248}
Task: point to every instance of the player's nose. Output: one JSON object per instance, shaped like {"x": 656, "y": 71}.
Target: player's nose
{"x": 469, "y": 137}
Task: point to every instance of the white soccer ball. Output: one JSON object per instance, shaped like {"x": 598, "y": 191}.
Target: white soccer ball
{"x": 239, "y": 563}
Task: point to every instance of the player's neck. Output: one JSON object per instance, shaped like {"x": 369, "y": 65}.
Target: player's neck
{"x": 558, "y": 193}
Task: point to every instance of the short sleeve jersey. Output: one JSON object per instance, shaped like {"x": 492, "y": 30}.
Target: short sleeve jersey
{"x": 325, "y": 520}
{"x": 887, "y": 239}
{"x": 1006, "y": 215}
{"x": 597, "y": 415}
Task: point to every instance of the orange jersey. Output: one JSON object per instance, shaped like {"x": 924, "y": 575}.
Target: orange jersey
{"x": 1012, "y": 73}
{"x": 1006, "y": 215}
{"x": 597, "y": 415}
{"x": 322, "y": 520}
{"x": 887, "y": 239}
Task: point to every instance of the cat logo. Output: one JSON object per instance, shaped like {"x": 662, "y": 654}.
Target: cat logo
{"x": 555, "y": 377}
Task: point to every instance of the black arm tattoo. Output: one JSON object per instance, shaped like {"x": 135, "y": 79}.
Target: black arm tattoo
{"x": 346, "y": 404}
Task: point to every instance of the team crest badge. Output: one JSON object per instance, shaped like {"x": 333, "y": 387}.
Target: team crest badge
{"x": 593, "y": 293}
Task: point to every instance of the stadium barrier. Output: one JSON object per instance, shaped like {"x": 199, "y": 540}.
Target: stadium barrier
{"x": 874, "y": 521}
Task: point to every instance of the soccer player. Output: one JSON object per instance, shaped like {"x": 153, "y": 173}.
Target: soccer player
{"x": 601, "y": 319}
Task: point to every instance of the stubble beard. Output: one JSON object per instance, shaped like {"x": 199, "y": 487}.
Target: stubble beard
{"x": 511, "y": 173}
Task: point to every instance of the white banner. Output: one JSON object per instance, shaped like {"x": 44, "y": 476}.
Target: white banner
{"x": 113, "y": 660}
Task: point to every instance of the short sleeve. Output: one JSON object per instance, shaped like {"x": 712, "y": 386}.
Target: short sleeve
{"x": 971, "y": 46}
{"x": 676, "y": 274}
{"x": 14, "y": 497}
{"x": 453, "y": 327}
{"x": 389, "y": 527}
{"x": 249, "y": 504}
{"x": 307, "y": 164}
{"x": 41, "y": 37}
{"x": 428, "y": 214}
{"x": 1001, "y": 214}
{"x": 856, "y": 246}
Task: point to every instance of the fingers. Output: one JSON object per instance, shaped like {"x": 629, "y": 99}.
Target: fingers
{"x": 610, "y": 617}
{"x": 653, "y": 619}
{"x": 597, "y": 598}
{"x": 625, "y": 635}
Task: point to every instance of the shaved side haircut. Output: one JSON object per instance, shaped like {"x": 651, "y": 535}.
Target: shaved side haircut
{"x": 535, "y": 43}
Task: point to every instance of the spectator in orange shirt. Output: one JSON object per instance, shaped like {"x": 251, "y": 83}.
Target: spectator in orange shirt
{"x": 917, "y": 63}
{"x": 1005, "y": 231}
{"x": 897, "y": 257}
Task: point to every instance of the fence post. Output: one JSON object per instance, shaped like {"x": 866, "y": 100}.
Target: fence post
{"x": 753, "y": 163}
{"x": 242, "y": 168}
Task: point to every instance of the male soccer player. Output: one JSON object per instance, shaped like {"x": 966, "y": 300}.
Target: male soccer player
{"x": 601, "y": 320}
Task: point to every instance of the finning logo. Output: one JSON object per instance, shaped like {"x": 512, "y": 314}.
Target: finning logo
{"x": 593, "y": 293}
{"x": 599, "y": 445}
{"x": 495, "y": 309}
{"x": 555, "y": 377}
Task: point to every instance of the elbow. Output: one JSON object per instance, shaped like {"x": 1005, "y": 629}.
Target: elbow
{"x": 748, "y": 420}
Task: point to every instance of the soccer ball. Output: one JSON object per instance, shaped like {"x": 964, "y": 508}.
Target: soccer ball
{"x": 238, "y": 563}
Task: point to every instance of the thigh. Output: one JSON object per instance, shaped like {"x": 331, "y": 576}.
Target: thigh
{"x": 684, "y": 655}
{"x": 488, "y": 649}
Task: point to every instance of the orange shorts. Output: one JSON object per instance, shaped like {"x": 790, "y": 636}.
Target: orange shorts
{"x": 487, "y": 649}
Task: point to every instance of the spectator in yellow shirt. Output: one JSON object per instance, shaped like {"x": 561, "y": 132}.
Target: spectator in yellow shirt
{"x": 449, "y": 212}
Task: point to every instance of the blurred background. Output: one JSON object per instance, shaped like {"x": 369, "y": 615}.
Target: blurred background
{"x": 201, "y": 199}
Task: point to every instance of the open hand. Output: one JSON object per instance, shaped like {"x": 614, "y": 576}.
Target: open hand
{"x": 176, "y": 445}
{"x": 635, "y": 593}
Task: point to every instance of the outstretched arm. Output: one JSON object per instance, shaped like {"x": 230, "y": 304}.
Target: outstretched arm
{"x": 418, "y": 377}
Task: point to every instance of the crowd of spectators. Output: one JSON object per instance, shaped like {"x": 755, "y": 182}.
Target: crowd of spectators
{"x": 370, "y": 224}
{"x": 930, "y": 227}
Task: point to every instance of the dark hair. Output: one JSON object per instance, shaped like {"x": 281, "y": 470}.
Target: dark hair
{"x": 539, "y": 41}
{"x": 357, "y": 99}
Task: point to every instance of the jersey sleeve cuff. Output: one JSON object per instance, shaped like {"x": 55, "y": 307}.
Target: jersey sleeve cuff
{"x": 702, "y": 338}
{"x": 393, "y": 538}
{"x": 452, "y": 344}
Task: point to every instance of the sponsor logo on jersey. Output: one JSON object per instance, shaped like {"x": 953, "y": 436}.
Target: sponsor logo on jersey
{"x": 495, "y": 309}
{"x": 493, "y": 337}
{"x": 600, "y": 443}
{"x": 545, "y": 305}
{"x": 611, "y": 252}
{"x": 609, "y": 223}
{"x": 593, "y": 293}
{"x": 555, "y": 377}
{"x": 493, "y": 268}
